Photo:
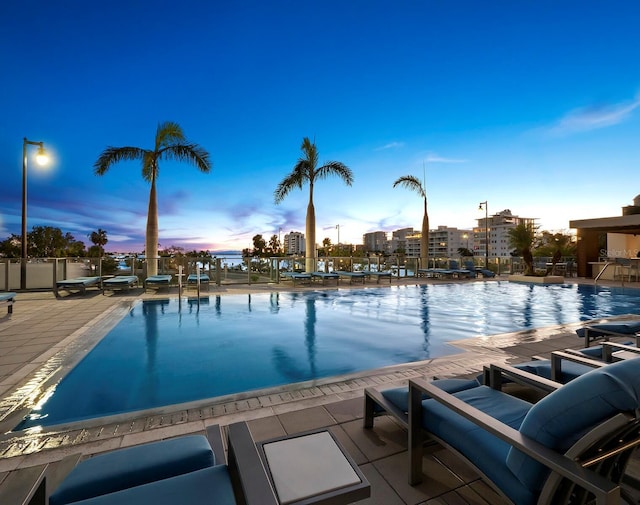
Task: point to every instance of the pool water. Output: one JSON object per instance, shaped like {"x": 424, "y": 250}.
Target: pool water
{"x": 166, "y": 352}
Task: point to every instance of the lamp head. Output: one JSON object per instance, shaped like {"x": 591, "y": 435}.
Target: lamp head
{"x": 480, "y": 207}
{"x": 42, "y": 158}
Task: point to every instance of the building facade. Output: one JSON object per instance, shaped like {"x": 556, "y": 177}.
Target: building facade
{"x": 494, "y": 233}
{"x": 294, "y": 243}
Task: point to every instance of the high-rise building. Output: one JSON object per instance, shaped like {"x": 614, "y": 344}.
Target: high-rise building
{"x": 294, "y": 243}
{"x": 498, "y": 227}
{"x": 376, "y": 241}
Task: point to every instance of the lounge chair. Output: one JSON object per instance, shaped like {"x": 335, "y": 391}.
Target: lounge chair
{"x": 352, "y": 276}
{"x": 120, "y": 282}
{"x": 326, "y": 276}
{"x": 192, "y": 280}
{"x": 188, "y": 469}
{"x": 606, "y": 330}
{"x": 297, "y": 277}
{"x": 377, "y": 275}
{"x": 157, "y": 281}
{"x": 572, "y": 445}
{"x": 8, "y": 298}
{"x": 79, "y": 284}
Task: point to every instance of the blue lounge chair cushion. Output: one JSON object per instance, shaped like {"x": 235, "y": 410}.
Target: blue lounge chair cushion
{"x": 487, "y": 452}
{"x": 7, "y": 296}
{"x": 134, "y": 466}
{"x": 400, "y": 396}
{"x": 193, "y": 278}
{"x": 561, "y": 418}
{"x": 623, "y": 327}
{"x": 569, "y": 370}
{"x": 209, "y": 485}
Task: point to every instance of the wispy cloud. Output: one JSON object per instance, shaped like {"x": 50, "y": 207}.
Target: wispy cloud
{"x": 390, "y": 145}
{"x": 434, "y": 158}
{"x": 594, "y": 117}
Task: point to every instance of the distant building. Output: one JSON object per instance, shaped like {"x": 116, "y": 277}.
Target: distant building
{"x": 498, "y": 227}
{"x": 444, "y": 242}
{"x": 294, "y": 243}
{"x": 399, "y": 240}
{"x": 375, "y": 241}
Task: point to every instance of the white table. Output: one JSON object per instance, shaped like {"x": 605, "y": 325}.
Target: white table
{"x": 313, "y": 468}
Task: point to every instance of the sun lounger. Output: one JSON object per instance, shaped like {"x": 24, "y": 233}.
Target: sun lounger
{"x": 79, "y": 284}
{"x": 187, "y": 469}
{"x": 537, "y": 453}
{"x": 157, "y": 281}
{"x": 120, "y": 282}
{"x": 297, "y": 277}
{"x": 377, "y": 275}
{"x": 352, "y": 276}
{"x": 592, "y": 332}
{"x": 326, "y": 276}
{"x": 192, "y": 280}
{"x": 8, "y": 298}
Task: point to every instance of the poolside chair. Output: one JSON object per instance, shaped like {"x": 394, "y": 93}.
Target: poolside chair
{"x": 193, "y": 279}
{"x": 572, "y": 446}
{"x": 8, "y": 298}
{"x": 157, "y": 281}
{"x": 297, "y": 277}
{"x": 187, "y": 469}
{"x": 378, "y": 275}
{"x": 79, "y": 284}
{"x": 606, "y": 330}
{"x": 352, "y": 276}
{"x": 120, "y": 282}
{"x": 326, "y": 276}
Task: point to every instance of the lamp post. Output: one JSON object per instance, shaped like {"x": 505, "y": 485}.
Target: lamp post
{"x": 41, "y": 158}
{"x": 486, "y": 232}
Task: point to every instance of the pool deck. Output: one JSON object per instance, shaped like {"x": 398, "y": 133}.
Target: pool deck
{"x": 42, "y": 328}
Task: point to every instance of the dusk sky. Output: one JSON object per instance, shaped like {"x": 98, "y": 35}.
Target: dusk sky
{"x": 533, "y": 106}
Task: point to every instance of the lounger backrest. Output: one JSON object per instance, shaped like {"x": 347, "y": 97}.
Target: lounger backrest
{"x": 563, "y": 417}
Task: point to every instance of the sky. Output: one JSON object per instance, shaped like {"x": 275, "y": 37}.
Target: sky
{"x": 532, "y": 106}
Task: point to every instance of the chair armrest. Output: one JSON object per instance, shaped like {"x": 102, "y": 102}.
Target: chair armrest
{"x": 601, "y": 487}
{"x": 247, "y": 471}
{"x": 608, "y": 348}
{"x": 558, "y": 356}
{"x": 214, "y": 436}
{"x": 496, "y": 372}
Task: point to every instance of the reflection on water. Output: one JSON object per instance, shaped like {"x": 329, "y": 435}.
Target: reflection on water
{"x": 172, "y": 351}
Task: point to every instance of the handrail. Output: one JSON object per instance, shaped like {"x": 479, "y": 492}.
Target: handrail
{"x": 603, "y": 269}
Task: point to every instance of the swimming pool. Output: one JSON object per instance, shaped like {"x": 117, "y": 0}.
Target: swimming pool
{"x": 169, "y": 351}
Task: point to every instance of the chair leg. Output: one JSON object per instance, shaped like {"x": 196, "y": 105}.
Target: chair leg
{"x": 369, "y": 406}
{"x": 415, "y": 436}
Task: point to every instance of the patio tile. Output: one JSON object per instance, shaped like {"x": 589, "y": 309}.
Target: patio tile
{"x": 306, "y": 419}
{"x": 381, "y": 492}
{"x": 386, "y": 438}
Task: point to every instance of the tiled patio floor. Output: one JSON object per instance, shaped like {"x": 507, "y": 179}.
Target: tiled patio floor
{"x": 42, "y": 326}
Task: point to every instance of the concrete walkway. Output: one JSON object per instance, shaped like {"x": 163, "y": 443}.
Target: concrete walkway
{"x": 43, "y": 331}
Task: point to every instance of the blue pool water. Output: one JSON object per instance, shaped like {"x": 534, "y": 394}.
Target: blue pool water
{"x": 164, "y": 352}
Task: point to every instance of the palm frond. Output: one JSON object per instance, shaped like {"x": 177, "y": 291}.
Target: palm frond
{"x": 411, "y": 182}
{"x": 191, "y": 153}
{"x": 294, "y": 180}
{"x": 335, "y": 168}
{"x": 112, "y": 155}
{"x": 168, "y": 133}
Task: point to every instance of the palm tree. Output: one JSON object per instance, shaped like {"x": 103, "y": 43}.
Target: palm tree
{"x": 99, "y": 239}
{"x": 170, "y": 144}
{"x": 413, "y": 183}
{"x": 522, "y": 238}
{"x": 308, "y": 171}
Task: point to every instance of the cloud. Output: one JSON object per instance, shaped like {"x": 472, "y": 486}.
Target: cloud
{"x": 390, "y": 145}
{"x": 434, "y": 158}
{"x": 594, "y": 117}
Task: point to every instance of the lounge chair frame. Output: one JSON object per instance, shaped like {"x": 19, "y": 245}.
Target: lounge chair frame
{"x": 79, "y": 284}
{"x": 8, "y": 299}
{"x": 126, "y": 283}
{"x": 574, "y": 472}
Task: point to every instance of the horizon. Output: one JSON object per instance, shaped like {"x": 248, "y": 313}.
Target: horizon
{"x": 532, "y": 107}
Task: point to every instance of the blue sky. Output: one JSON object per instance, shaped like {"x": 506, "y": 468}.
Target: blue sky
{"x": 533, "y": 106}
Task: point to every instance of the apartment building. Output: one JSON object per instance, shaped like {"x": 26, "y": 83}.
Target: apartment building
{"x": 294, "y": 243}
{"x": 497, "y": 228}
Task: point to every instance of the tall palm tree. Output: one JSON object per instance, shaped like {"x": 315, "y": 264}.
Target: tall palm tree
{"x": 170, "y": 144}
{"x": 99, "y": 239}
{"x": 307, "y": 170}
{"x": 413, "y": 183}
{"x": 522, "y": 239}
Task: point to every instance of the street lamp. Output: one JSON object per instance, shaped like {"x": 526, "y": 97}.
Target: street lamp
{"x": 41, "y": 159}
{"x": 486, "y": 232}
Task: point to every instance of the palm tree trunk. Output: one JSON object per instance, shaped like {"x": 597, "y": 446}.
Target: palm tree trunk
{"x": 310, "y": 238}
{"x": 151, "y": 246}
{"x": 424, "y": 240}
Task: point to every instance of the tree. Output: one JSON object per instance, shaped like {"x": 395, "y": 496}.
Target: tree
{"x": 465, "y": 252}
{"x": 259, "y": 245}
{"x": 99, "y": 239}
{"x": 413, "y": 183}
{"x": 307, "y": 170}
{"x": 522, "y": 238}
{"x": 555, "y": 245}
{"x": 170, "y": 144}
{"x": 274, "y": 244}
